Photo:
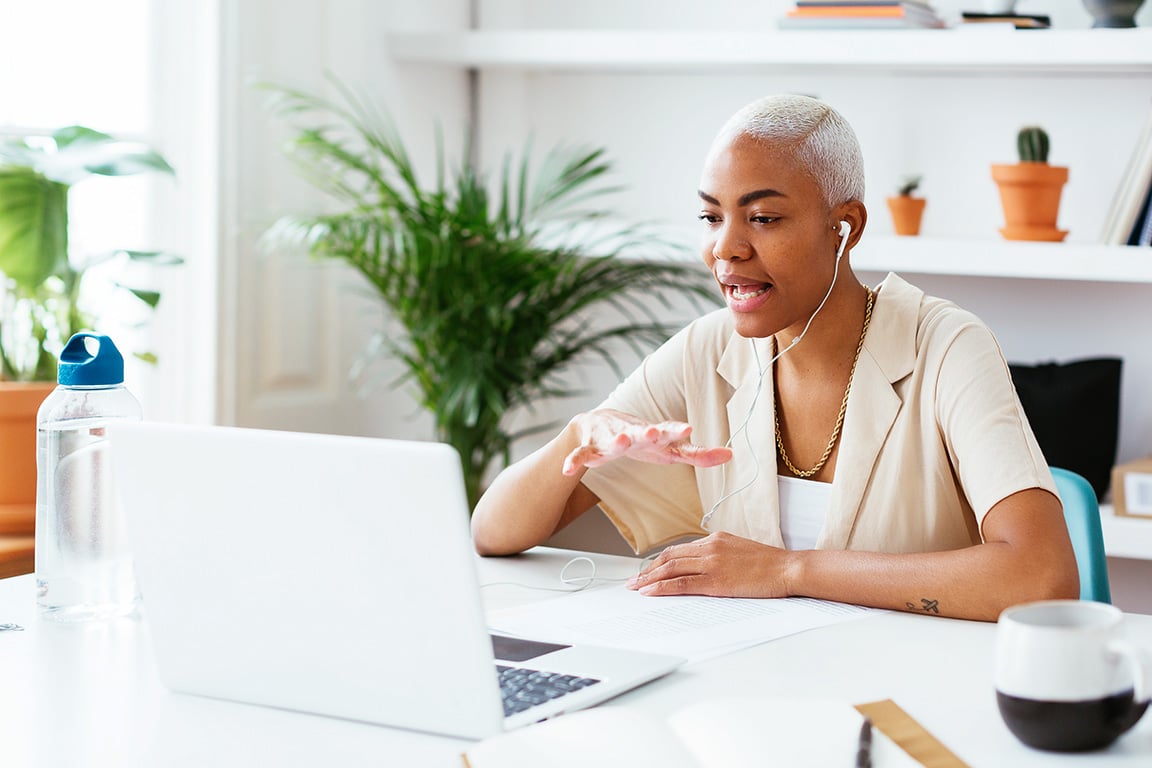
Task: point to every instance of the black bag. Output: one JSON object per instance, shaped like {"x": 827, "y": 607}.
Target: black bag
{"x": 1074, "y": 410}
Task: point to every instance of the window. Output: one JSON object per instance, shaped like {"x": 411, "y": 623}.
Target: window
{"x": 115, "y": 67}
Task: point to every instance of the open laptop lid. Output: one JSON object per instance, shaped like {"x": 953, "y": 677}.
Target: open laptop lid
{"x": 320, "y": 573}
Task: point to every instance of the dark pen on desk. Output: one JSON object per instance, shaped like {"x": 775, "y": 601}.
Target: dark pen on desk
{"x": 864, "y": 745}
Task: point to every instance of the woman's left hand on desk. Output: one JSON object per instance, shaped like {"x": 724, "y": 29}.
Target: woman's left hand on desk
{"x": 721, "y": 565}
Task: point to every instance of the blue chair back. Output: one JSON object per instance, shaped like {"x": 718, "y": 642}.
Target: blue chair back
{"x": 1082, "y": 514}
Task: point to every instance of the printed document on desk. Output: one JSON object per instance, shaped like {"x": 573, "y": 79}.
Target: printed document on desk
{"x": 695, "y": 628}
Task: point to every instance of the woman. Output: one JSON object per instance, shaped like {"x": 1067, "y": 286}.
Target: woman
{"x": 853, "y": 444}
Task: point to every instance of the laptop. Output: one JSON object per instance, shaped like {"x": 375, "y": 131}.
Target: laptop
{"x": 333, "y": 575}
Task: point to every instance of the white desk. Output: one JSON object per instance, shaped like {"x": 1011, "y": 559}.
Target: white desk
{"x": 87, "y": 695}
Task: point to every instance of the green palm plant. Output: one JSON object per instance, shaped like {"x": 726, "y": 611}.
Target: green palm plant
{"x": 499, "y": 287}
{"x": 40, "y": 292}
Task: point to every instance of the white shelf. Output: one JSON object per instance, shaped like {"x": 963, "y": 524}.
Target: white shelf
{"x": 1096, "y": 51}
{"x": 980, "y": 258}
{"x": 1129, "y": 537}
{"x": 1004, "y": 258}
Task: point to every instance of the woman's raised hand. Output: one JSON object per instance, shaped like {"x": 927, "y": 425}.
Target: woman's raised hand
{"x": 606, "y": 435}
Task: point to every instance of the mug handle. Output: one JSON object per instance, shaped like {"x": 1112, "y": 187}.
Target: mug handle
{"x": 1138, "y": 664}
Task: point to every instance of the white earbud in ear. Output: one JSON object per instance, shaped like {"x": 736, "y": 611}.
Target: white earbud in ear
{"x": 845, "y": 228}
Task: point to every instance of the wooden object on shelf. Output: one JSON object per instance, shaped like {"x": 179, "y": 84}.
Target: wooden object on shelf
{"x": 1132, "y": 488}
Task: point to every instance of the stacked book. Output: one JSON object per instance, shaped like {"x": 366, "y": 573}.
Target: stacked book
{"x": 1130, "y": 217}
{"x": 862, "y": 14}
{"x": 1017, "y": 20}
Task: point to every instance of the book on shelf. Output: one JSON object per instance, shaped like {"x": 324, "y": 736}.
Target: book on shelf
{"x": 861, "y": 10}
{"x": 1142, "y": 229}
{"x": 1130, "y": 199}
{"x": 730, "y": 732}
{"x": 861, "y": 14}
{"x": 1018, "y": 20}
{"x": 858, "y": 3}
{"x": 848, "y": 22}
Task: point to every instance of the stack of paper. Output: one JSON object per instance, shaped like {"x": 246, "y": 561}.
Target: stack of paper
{"x": 862, "y": 14}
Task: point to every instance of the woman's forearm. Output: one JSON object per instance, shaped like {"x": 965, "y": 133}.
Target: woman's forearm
{"x": 530, "y": 500}
{"x": 971, "y": 583}
{"x": 1026, "y": 556}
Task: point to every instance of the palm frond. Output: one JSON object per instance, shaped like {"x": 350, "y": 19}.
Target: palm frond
{"x": 500, "y": 287}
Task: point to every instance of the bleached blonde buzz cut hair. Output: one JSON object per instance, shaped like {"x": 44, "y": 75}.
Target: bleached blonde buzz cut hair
{"x": 825, "y": 143}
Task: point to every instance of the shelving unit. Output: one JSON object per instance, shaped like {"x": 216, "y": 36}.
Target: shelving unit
{"x": 1004, "y": 258}
{"x": 1118, "y": 52}
{"x": 1129, "y": 537}
{"x": 987, "y": 258}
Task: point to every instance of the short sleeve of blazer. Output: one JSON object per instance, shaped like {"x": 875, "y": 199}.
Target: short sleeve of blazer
{"x": 652, "y": 504}
{"x": 988, "y": 438}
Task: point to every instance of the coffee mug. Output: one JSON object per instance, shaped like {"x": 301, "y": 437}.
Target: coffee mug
{"x": 1066, "y": 678}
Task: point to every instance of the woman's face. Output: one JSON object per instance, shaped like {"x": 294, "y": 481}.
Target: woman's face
{"x": 769, "y": 236}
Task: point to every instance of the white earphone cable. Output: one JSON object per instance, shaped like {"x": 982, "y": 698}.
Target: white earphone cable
{"x": 844, "y": 230}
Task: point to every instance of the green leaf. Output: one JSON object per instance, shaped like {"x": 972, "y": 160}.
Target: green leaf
{"x": 155, "y": 258}
{"x": 33, "y": 227}
{"x": 151, "y": 298}
{"x": 105, "y": 155}
{"x": 124, "y": 161}
{"x": 74, "y": 135}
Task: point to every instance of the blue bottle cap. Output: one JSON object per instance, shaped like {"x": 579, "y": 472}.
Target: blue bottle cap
{"x": 90, "y": 360}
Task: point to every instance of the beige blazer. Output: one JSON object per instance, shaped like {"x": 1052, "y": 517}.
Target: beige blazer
{"x": 933, "y": 437}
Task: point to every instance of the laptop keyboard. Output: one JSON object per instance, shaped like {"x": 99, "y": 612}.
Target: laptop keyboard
{"x": 524, "y": 688}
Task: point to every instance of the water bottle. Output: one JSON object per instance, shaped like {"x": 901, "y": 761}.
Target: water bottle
{"x": 83, "y": 561}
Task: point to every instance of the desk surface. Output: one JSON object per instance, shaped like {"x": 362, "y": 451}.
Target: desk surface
{"x": 87, "y": 695}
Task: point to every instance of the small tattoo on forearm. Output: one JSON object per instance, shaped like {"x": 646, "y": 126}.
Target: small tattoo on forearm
{"x": 926, "y": 605}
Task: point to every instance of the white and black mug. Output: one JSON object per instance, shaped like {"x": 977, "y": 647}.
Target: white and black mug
{"x": 1067, "y": 679}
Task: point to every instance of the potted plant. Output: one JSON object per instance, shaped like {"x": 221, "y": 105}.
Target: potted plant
{"x": 41, "y": 294}
{"x": 499, "y": 286}
{"x": 907, "y": 209}
{"x": 1030, "y": 190}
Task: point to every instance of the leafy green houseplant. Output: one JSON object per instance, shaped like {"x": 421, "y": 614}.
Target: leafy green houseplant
{"x": 1030, "y": 190}
{"x": 42, "y": 285}
{"x": 499, "y": 285}
{"x": 42, "y": 291}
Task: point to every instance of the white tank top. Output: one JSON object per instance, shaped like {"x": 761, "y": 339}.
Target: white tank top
{"x": 803, "y": 506}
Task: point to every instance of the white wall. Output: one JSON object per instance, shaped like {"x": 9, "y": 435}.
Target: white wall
{"x": 292, "y": 328}
{"x": 296, "y": 331}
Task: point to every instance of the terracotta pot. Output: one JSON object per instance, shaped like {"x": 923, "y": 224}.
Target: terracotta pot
{"x": 907, "y": 211}
{"x": 18, "y": 405}
{"x": 1030, "y": 195}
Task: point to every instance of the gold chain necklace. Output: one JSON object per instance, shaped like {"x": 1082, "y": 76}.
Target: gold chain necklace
{"x": 843, "y": 406}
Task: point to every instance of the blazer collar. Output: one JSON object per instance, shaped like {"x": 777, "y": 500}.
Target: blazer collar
{"x": 752, "y": 507}
{"x": 888, "y": 356}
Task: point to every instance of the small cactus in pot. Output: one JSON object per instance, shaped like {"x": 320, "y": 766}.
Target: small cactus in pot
{"x": 1032, "y": 144}
{"x": 1030, "y": 190}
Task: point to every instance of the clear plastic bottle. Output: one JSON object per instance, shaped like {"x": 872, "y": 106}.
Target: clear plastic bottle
{"x": 83, "y": 561}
